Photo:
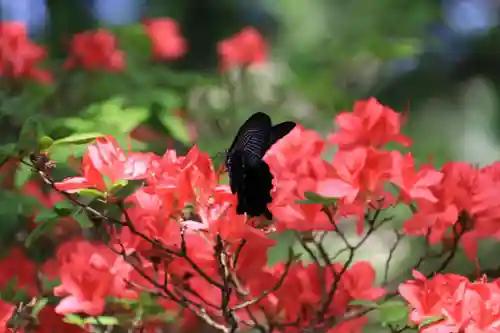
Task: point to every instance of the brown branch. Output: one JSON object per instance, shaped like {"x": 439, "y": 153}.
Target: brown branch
{"x": 128, "y": 223}
{"x": 270, "y": 291}
{"x": 392, "y": 251}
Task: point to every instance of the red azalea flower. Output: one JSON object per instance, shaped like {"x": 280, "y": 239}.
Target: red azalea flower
{"x": 95, "y": 50}
{"x": 414, "y": 184}
{"x": 6, "y": 312}
{"x": 370, "y": 124}
{"x": 89, "y": 273}
{"x": 246, "y": 48}
{"x": 16, "y": 265}
{"x": 19, "y": 57}
{"x": 455, "y": 303}
{"x": 165, "y": 35}
{"x": 104, "y": 165}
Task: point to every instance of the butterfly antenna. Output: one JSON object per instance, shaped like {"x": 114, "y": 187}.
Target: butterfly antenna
{"x": 216, "y": 156}
{"x": 219, "y": 127}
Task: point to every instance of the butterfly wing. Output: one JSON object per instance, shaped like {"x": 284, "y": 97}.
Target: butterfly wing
{"x": 234, "y": 165}
{"x": 247, "y": 147}
{"x": 280, "y": 130}
{"x": 252, "y": 138}
{"x": 255, "y": 192}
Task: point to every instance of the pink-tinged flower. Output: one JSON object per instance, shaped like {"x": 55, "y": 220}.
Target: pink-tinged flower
{"x": 451, "y": 303}
{"x": 358, "y": 171}
{"x": 6, "y": 312}
{"x": 89, "y": 273}
{"x": 104, "y": 165}
{"x": 370, "y": 124}
{"x": 414, "y": 184}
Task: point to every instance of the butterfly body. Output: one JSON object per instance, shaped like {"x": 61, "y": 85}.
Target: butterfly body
{"x": 249, "y": 175}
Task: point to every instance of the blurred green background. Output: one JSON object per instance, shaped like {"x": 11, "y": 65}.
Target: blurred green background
{"x": 437, "y": 59}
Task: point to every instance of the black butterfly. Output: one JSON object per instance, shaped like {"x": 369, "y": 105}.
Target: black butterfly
{"x": 249, "y": 175}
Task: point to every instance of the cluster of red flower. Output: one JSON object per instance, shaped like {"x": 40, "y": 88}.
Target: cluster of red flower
{"x": 451, "y": 304}
{"x": 181, "y": 238}
{"x": 99, "y": 50}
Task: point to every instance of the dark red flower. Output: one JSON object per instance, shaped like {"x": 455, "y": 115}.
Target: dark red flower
{"x": 16, "y": 265}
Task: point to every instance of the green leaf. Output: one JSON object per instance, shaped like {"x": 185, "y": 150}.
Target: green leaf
{"x": 176, "y": 126}
{"x": 41, "y": 229}
{"x": 8, "y": 150}
{"x": 74, "y": 319}
{"x": 312, "y": 198}
{"x": 64, "y": 208}
{"x": 393, "y": 312}
{"x": 429, "y": 321}
{"x": 23, "y": 174}
{"x": 21, "y": 295}
{"x": 9, "y": 290}
{"x": 91, "y": 193}
{"x": 406, "y": 48}
{"x": 78, "y": 139}
{"x": 83, "y": 220}
{"x": 168, "y": 99}
{"x": 31, "y": 132}
{"x": 48, "y": 284}
{"x": 124, "y": 190}
{"x": 39, "y": 305}
{"x": 44, "y": 215}
{"x": 102, "y": 320}
{"x": 364, "y": 303}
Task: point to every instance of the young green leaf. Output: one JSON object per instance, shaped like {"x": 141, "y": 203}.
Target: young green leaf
{"x": 102, "y": 320}
{"x": 429, "y": 321}
{"x": 312, "y": 198}
{"x": 39, "y": 305}
{"x": 74, "y": 319}
{"x": 364, "y": 303}
{"x": 78, "y": 139}
{"x": 23, "y": 174}
{"x": 393, "y": 312}
{"x": 123, "y": 191}
{"x": 91, "y": 193}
